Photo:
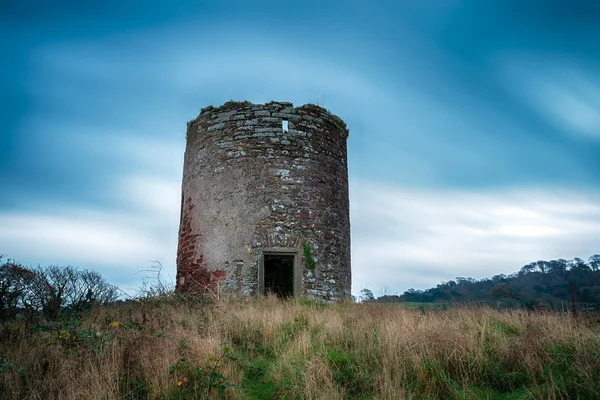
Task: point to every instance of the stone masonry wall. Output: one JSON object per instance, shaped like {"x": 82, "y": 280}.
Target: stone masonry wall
{"x": 249, "y": 186}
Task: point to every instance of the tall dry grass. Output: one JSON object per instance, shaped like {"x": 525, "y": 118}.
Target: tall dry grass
{"x": 272, "y": 349}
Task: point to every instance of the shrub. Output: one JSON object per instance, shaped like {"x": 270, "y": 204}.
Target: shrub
{"x": 51, "y": 291}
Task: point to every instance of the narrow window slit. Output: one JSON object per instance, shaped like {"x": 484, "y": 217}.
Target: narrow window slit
{"x": 284, "y": 125}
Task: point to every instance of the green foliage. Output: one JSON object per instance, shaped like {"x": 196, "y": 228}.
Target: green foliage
{"x": 256, "y": 384}
{"x": 340, "y": 123}
{"x": 507, "y": 329}
{"x": 313, "y": 304}
{"x": 231, "y": 104}
{"x": 366, "y": 295}
{"x": 235, "y": 104}
{"x": 14, "y": 282}
{"x": 318, "y": 111}
{"x": 71, "y": 336}
{"x": 136, "y": 326}
{"x": 313, "y": 109}
{"x": 52, "y": 292}
{"x": 421, "y": 306}
{"x": 298, "y": 324}
{"x": 556, "y": 284}
{"x": 304, "y": 349}
{"x": 252, "y": 341}
{"x": 436, "y": 382}
{"x": 499, "y": 374}
{"x": 566, "y": 372}
{"x": 349, "y": 373}
{"x": 308, "y": 258}
{"x": 193, "y": 382}
{"x": 134, "y": 388}
{"x": 13, "y": 378}
{"x": 272, "y": 102}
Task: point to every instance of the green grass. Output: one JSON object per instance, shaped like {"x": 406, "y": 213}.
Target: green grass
{"x": 416, "y": 305}
{"x": 301, "y": 349}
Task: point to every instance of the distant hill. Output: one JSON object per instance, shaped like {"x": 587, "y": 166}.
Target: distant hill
{"x": 542, "y": 284}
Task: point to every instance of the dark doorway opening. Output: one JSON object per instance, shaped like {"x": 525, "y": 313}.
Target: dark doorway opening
{"x": 279, "y": 274}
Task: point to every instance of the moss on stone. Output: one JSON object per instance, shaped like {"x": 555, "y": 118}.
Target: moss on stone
{"x": 321, "y": 112}
{"x": 228, "y": 105}
{"x": 313, "y": 109}
{"x": 338, "y": 121}
{"x": 206, "y": 109}
{"x": 308, "y": 258}
{"x": 234, "y": 104}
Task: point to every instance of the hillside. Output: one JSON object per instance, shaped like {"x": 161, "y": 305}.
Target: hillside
{"x": 556, "y": 284}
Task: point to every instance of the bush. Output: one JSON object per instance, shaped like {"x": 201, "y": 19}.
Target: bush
{"x": 14, "y": 280}
{"x": 51, "y": 291}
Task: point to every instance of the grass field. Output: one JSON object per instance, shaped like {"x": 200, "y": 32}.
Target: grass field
{"x": 271, "y": 349}
{"x": 421, "y": 306}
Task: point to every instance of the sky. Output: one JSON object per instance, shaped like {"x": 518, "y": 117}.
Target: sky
{"x": 474, "y": 143}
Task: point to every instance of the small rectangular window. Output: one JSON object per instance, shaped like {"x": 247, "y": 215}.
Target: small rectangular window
{"x": 284, "y": 125}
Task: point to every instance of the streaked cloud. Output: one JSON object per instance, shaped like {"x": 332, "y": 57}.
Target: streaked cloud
{"x": 406, "y": 237}
{"x": 401, "y": 237}
{"x": 119, "y": 241}
{"x": 566, "y": 94}
{"x": 484, "y": 139}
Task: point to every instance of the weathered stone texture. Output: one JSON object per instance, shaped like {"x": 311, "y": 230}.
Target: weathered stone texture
{"x": 249, "y": 186}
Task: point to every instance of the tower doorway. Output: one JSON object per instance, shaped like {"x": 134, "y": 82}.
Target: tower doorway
{"x": 279, "y": 274}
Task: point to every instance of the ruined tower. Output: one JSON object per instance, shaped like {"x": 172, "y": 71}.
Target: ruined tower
{"x": 265, "y": 202}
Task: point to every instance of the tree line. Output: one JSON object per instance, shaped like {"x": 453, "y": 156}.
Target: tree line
{"x": 541, "y": 284}
{"x": 51, "y": 291}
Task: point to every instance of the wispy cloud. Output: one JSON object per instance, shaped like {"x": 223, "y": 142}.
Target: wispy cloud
{"x": 566, "y": 93}
{"x": 401, "y": 237}
{"x": 118, "y": 242}
{"x": 96, "y": 131}
{"x": 406, "y": 237}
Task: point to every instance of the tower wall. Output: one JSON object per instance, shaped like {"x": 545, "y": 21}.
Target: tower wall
{"x": 249, "y": 187}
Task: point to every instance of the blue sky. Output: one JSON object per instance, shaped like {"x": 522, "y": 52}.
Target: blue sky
{"x": 475, "y": 125}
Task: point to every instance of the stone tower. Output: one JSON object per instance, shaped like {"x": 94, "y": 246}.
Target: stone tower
{"x": 265, "y": 202}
